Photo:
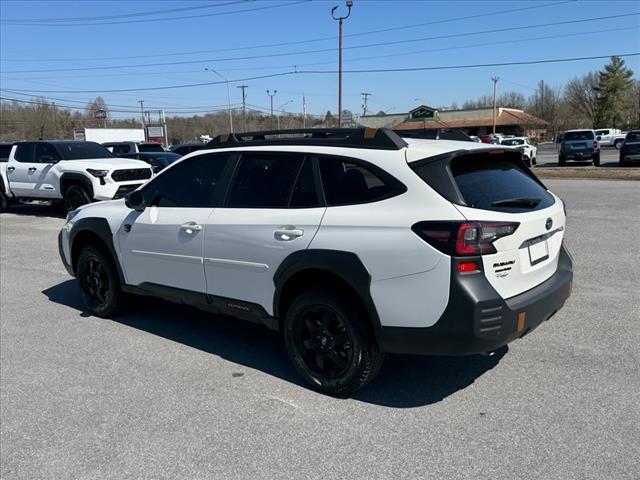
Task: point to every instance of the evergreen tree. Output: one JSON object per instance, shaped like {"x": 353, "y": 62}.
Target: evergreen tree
{"x": 614, "y": 83}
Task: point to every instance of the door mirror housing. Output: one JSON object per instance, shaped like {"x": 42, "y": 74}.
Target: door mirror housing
{"x": 135, "y": 200}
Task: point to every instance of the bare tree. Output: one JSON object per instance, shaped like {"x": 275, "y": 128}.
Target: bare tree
{"x": 582, "y": 97}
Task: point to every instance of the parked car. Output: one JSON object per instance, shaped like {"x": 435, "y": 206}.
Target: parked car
{"x": 524, "y": 145}
{"x": 121, "y": 148}
{"x": 157, "y": 160}
{"x": 630, "y": 150}
{"x": 71, "y": 172}
{"x": 579, "y": 145}
{"x": 490, "y": 138}
{"x": 186, "y": 148}
{"x": 351, "y": 242}
{"x": 611, "y": 137}
{"x": 475, "y": 139}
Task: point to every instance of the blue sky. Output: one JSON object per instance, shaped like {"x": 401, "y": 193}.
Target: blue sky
{"x": 27, "y": 44}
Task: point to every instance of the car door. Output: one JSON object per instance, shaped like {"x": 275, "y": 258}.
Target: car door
{"x": 45, "y": 157}
{"x": 20, "y": 170}
{"x": 163, "y": 244}
{"x": 272, "y": 210}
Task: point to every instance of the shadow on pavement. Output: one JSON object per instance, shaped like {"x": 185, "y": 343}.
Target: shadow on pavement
{"x": 44, "y": 209}
{"x": 405, "y": 381}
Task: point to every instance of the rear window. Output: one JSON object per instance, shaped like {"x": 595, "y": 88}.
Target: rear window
{"x": 150, "y": 147}
{"x": 513, "y": 141}
{"x": 4, "y": 152}
{"x": 633, "y": 137}
{"x": 498, "y": 185}
{"x": 584, "y": 135}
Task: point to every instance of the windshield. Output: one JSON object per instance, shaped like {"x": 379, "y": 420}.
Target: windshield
{"x": 583, "y": 135}
{"x": 4, "y": 152}
{"x": 513, "y": 141}
{"x": 633, "y": 136}
{"x": 163, "y": 159}
{"x": 82, "y": 150}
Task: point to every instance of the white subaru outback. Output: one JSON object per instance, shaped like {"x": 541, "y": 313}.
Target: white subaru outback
{"x": 351, "y": 242}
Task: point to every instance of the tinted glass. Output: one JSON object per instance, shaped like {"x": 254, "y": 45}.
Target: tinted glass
{"x": 347, "y": 183}
{"x": 45, "y": 153}
{"x": 304, "y": 192}
{"x": 161, "y": 159}
{"x": 633, "y": 137}
{"x": 150, "y": 147}
{"x": 584, "y": 135}
{"x": 4, "y": 152}
{"x": 485, "y": 182}
{"x": 513, "y": 141}
{"x": 82, "y": 150}
{"x": 122, "y": 149}
{"x": 24, "y": 152}
{"x": 265, "y": 180}
{"x": 191, "y": 183}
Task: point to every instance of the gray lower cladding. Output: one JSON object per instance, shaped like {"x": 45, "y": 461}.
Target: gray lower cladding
{"x": 478, "y": 320}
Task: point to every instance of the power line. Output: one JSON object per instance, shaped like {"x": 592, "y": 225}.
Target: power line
{"x": 375, "y": 70}
{"x": 323, "y": 50}
{"x": 173, "y": 19}
{"x": 298, "y": 42}
{"x": 109, "y": 17}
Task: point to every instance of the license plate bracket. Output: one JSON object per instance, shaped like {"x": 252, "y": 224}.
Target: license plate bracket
{"x": 538, "y": 252}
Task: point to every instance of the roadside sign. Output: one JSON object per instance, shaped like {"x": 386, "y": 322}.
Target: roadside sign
{"x": 155, "y": 132}
{"x": 100, "y": 114}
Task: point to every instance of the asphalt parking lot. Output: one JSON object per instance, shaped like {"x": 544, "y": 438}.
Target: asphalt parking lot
{"x": 170, "y": 392}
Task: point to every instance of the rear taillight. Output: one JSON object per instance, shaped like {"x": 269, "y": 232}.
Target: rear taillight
{"x": 595, "y": 145}
{"x": 464, "y": 238}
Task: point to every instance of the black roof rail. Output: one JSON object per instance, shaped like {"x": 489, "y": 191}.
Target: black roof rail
{"x": 375, "y": 138}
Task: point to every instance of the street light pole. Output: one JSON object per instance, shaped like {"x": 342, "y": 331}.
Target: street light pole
{"x": 495, "y": 82}
{"x": 340, "y": 20}
{"x": 244, "y": 107}
{"x": 228, "y": 94}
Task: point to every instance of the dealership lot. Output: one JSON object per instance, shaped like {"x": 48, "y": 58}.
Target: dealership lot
{"x": 548, "y": 157}
{"x": 170, "y": 392}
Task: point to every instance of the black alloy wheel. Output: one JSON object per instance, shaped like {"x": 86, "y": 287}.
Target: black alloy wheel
{"x": 331, "y": 343}
{"x": 75, "y": 197}
{"x": 99, "y": 282}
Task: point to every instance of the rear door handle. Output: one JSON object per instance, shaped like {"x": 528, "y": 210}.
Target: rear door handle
{"x": 287, "y": 233}
{"x": 32, "y": 169}
{"x": 191, "y": 228}
{"x": 10, "y": 169}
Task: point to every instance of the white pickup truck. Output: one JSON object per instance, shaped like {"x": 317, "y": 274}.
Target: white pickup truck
{"x": 70, "y": 172}
{"x": 611, "y": 137}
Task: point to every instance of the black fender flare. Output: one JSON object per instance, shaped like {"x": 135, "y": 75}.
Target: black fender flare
{"x": 346, "y": 265}
{"x": 99, "y": 227}
{"x": 76, "y": 178}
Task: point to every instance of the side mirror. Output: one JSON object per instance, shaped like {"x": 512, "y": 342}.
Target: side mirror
{"x": 598, "y": 138}
{"x": 135, "y": 200}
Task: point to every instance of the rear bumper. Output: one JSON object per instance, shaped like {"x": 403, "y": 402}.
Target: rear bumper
{"x": 581, "y": 155}
{"x": 478, "y": 320}
{"x": 630, "y": 157}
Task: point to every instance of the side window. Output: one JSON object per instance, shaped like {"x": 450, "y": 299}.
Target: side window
{"x": 304, "y": 193}
{"x": 45, "y": 153}
{"x": 346, "y": 183}
{"x": 122, "y": 149}
{"x": 24, "y": 153}
{"x": 265, "y": 180}
{"x": 191, "y": 183}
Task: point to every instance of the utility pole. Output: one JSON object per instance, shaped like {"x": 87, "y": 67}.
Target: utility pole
{"x": 244, "y": 107}
{"x": 340, "y": 20}
{"x": 271, "y": 95}
{"x": 304, "y": 112}
{"x": 55, "y": 121}
{"x": 495, "y": 82}
{"x": 365, "y": 98}
{"x": 141, "y": 102}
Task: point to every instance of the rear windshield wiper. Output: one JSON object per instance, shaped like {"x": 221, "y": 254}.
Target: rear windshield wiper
{"x": 517, "y": 202}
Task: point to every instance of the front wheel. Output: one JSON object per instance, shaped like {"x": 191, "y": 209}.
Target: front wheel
{"x": 330, "y": 342}
{"x": 75, "y": 197}
{"x": 618, "y": 144}
{"x": 4, "y": 202}
{"x": 99, "y": 282}
{"x": 562, "y": 161}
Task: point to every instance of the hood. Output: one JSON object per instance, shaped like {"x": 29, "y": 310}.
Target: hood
{"x": 115, "y": 163}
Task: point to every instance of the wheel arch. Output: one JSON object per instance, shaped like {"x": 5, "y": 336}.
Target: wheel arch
{"x": 93, "y": 232}
{"x": 338, "y": 270}
{"x": 68, "y": 179}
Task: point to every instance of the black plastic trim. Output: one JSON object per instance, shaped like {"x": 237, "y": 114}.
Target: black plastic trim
{"x": 67, "y": 265}
{"x": 211, "y": 303}
{"x": 478, "y": 320}
{"x": 71, "y": 178}
{"x": 346, "y": 265}
{"x": 99, "y": 227}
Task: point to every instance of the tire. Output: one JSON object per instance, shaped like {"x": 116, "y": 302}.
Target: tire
{"x": 99, "y": 282}
{"x": 4, "y": 202}
{"x": 534, "y": 161}
{"x": 596, "y": 160}
{"x": 75, "y": 197}
{"x": 330, "y": 342}
{"x": 562, "y": 161}
{"x": 618, "y": 144}
{"x": 527, "y": 161}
